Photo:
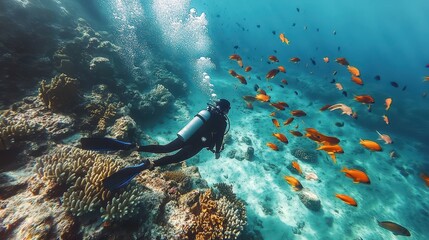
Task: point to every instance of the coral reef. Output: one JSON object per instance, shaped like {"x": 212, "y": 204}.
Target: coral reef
{"x": 310, "y": 199}
{"x": 102, "y": 109}
{"x": 11, "y": 132}
{"x": 124, "y": 128}
{"x": 305, "y": 155}
{"x": 155, "y": 101}
{"x": 61, "y": 94}
{"x": 215, "y": 218}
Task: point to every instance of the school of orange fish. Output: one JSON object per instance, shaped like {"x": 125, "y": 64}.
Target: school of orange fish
{"x": 328, "y": 144}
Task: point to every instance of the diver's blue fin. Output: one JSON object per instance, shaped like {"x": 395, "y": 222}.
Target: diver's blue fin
{"x": 122, "y": 177}
{"x": 105, "y": 144}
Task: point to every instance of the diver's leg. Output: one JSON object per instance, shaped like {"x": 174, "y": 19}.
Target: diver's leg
{"x": 185, "y": 153}
{"x": 172, "y": 146}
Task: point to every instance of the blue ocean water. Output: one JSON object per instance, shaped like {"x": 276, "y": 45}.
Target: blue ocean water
{"x": 381, "y": 38}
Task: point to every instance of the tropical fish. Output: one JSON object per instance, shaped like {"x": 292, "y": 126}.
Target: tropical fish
{"x": 296, "y": 133}
{"x": 326, "y": 59}
{"x": 275, "y": 122}
{"x": 272, "y": 146}
{"x": 331, "y": 150}
{"x": 353, "y": 70}
{"x": 357, "y": 80}
{"x": 370, "y": 145}
{"x": 297, "y": 186}
{"x": 248, "y": 68}
{"x": 237, "y": 58}
{"x": 344, "y": 108}
{"x": 283, "y": 38}
{"x": 280, "y": 105}
{"x": 394, "y": 84}
{"x": 347, "y": 199}
{"x": 262, "y": 97}
{"x": 311, "y": 176}
{"x": 273, "y": 114}
{"x": 339, "y": 86}
{"x": 385, "y": 119}
{"x": 281, "y": 69}
{"x": 295, "y": 165}
{"x": 241, "y": 78}
{"x": 273, "y": 58}
{"x": 285, "y": 81}
{"x": 295, "y": 59}
{"x": 261, "y": 91}
{"x": 298, "y": 113}
{"x": 365, "y": 99}
{"x": 393, "y": 154}
{"x": 425, "y": 178}
{"x": 395, "y": 228}
{"x": 325, "y": 107}
{"x": 387, "y": 103}
{"x": 288, "y": 121}
{"x": 425, "y": 78}
{"x": 342, "y": 61}
{"x": 272, "y": 73}
{"x": 281, "y": 137}
{"x": 357, "y": 175}
{"x": 249, "y": 98}
{"x": 232, "y": 72}
{"x": 316, "y": 136}
{"x": 386, "y": 138}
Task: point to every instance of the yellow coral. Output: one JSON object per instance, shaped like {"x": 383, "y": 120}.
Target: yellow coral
{"x": 10, "y": 132}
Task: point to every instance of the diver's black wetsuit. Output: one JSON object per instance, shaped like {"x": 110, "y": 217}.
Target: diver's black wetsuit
{"x": 208, "y": 136}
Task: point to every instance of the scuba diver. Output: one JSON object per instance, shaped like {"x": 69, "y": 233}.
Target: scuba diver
{"x": 205, "y": 130}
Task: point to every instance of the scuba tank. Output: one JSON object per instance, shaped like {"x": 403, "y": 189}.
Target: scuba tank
{"x": 195, "y": 124}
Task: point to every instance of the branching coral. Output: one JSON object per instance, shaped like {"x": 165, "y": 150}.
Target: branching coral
{"x": 216, "y": 218}
{"x": 10, "y": 132}
{"x": 101, "y": 112}
{"x": 61, "y": 94}
{"x": 84, "y": 172}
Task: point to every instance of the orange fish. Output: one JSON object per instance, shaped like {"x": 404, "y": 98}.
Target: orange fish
{"x": 325, "y": 107}
{"x": 326, "y": 59}
{"x": 275, "y": 122}
{"x": 331, "y": 150}
{"x": 272, "y": 73}
{"x": 241, "y": 78}
{"x": 385, "y": 119}
{"x": 273, "y": 58}
{"x": 347, "y": 199}
{"x": 296, "y": 133}
{"x": 339, "y": 86}
{"x": 316, "y": 136}
{"x": 357, "y": 80}
{"x": 281, "y": 69}
{"x": 248, "y": 68}
{"x": 387, "y": 103}
{"x": 357, "y": 175}
{"x": 353, "y": 70}
{"x": 365, "y": 99}
{"x": 283, "y": 38}
{"x": 281, "y": 137}
{"x": 425, "y": 178}
{"x": 293, "y": 182}
{"x": 288, "y": 121}
{"x": 342, "y": 61}
{"x": 426, "y": 79}
{"x": 298, "y": 113}
{"x": 232, "y": 72}
{"x": 237, "y": 58}
{"x": 295, "y": 165}
{"x": 279, "y": 105}
{"x": 370, "y": 145}
{"x": 295, "y": 59}
{"x": 272, "y": 146}
{"x": 284, "y": 81}
{"x": 273, "y": 114}
{"x": 262, "y": 97}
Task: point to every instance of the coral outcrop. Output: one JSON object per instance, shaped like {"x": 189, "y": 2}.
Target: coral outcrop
{"x": 305, "y": 155}
{"x": 216, "y": 218}
{"x": 155, "y": 101}
{"x": 61, "y": 94}
{"x": 12, "y": 132}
